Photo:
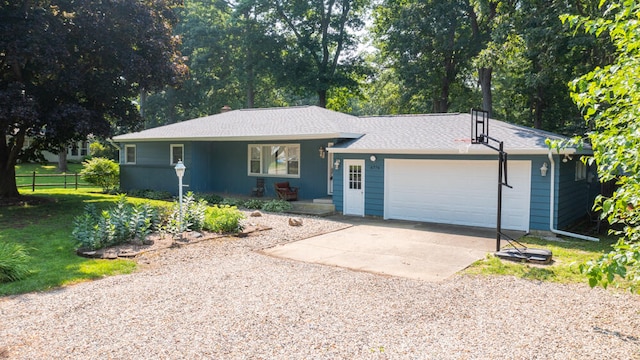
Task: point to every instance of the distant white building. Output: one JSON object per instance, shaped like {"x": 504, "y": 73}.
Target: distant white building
{"x": 75, "y": 152}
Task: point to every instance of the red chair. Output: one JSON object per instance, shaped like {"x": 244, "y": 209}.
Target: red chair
{"x": 285, "y": 191}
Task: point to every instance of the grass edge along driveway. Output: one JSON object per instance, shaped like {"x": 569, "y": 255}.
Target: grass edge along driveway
{"x": 45, "y": 230}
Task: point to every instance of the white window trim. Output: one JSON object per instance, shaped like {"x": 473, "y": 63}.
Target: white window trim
{"x": 171, "y": 153}
{"x": 124, "y": 158}
{"x": 293, "y": 176}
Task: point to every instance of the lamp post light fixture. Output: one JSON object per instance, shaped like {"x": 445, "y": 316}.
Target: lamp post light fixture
{"x": 180, "y": 168}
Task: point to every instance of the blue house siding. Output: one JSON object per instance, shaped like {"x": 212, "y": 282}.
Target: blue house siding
{"x": 540, "y": 188}
{"x": 222, "y": 167}
{"x": 575, "y": 197}
{"x": 374, "y": 183}
{"x": 152, "y": 169}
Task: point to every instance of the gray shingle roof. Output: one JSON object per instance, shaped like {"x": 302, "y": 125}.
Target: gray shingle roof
{"x": 302, "y": 122}
{"x": 419, "y": 134}
{"x": 440, "y": 133}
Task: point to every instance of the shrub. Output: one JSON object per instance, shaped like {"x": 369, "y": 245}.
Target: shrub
{"x": 150, "y": 194}
{"x": 277, "y": 206}
{"x": 223, "y": 219}
{"x": 193, "y": 216}
{"x": 13, "y": 262}
{"x": 101, "y": 172}
{"x": 253, "y": 204}
{"x": 232, "y": 202}
{"x": 103, "y": 150}
{"x": 194, "y": 211}
{"x": 211, "y": 199}
{"x": 120, "y": 224}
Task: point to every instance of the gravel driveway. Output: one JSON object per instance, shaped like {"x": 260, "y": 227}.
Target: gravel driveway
{"x": 220, "y": 299}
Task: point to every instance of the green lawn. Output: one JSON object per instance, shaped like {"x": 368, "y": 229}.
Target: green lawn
{"x": 568, "y": 254}
{"x": 25, "y": 171}
{"x": 45, "y": 229}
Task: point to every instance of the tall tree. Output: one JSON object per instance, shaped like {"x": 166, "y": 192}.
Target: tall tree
{"x": 321, "y": 43}
{"x": 535, "y": 56}
{"x": 69, "y": 69}
{"x": 429, "y": 43}
{"x": 233, "y": 57}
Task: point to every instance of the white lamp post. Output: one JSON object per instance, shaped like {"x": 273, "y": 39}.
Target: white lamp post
{"x": 180, "y": 168}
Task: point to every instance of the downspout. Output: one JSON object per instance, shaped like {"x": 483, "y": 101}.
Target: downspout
{"x": 552, "y": 207}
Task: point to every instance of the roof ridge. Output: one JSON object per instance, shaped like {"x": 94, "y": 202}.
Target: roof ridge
{"x": 277, "y": 108}
{"x": 408, "y": 115}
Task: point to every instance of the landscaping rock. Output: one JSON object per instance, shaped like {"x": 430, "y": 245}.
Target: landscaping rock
{"x": 256, "y": 213}
{"x": 295, "y": 221}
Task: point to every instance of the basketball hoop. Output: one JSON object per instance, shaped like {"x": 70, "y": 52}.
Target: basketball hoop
{"x": 463, "y": 145}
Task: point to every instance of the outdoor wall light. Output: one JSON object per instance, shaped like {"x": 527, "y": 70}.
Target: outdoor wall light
{"x": 567, "y": 158}
{"x": 336, "y": 164}
{"x": 544, "y": 169}
{"x": 323, "y": 151}
{"x": 373, "y": 158}
{"x": 180, "y": 169}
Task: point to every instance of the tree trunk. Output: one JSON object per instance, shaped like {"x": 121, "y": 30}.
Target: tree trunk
{"x": 537, "y": 110}
{"x": 322, "y": 98}
{"x": 8, "y": 188}
{"x": 143, "y": 102}
{"x": 251, "y": 91}
{"x": 8, "y": 157}
{"x": 441, "y": 104}
{"x": 484, "y": 75}
{"x": 62, "y": 160}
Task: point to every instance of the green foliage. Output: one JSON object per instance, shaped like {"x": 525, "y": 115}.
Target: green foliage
{"x": 569, "y": 256}
{"x": 103, "y": 150}
{"x": 609, "y": 98}
{"x": 253, "y": 204}
{"x": 150, "y": 194}
{"x": 223, "y": 219}
{"x": 13, "y": 262}
{"x": 122, "y": 223}
{"x": 194, "y": 211}
{"x": 101, "y": 172}
{"x": 406, "y": 30}
{"x": 277, "y": 206}
{"x": 232, "y": 202}
{"x": 211, "y": 199}
{"x": 193, "y": 215}
{"x": 44, "y": 228}
{"x": 49, "y": 85}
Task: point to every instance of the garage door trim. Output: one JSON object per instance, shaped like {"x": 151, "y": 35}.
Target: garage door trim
{"x": 442, "y": 191}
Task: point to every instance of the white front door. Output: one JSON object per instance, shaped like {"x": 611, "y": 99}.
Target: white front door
{"x": 354, "y": 187}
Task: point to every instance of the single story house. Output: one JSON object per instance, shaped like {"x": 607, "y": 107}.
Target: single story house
{"x": 411, "y": 167}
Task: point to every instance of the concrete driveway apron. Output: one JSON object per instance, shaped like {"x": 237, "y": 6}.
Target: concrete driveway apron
{"x": 431, "y": 252}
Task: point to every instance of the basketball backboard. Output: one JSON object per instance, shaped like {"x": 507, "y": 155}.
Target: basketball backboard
{"x": 479, "y": 126}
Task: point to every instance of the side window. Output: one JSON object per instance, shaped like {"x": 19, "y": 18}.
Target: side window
{"x": 177, "y": 153}
{"x": 129, "y": 154}
{"x": 581, "y": 170}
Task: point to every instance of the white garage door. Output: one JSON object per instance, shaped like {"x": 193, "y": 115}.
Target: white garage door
{"x": 461, "y": 192}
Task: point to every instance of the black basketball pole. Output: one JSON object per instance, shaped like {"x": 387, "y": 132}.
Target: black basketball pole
{"x": 500, "y": 184}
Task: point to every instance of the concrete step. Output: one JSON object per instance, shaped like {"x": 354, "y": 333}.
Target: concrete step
{"x": 312, "y": 208}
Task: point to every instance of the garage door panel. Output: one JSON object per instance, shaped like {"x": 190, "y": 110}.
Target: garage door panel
{"x": 461, "y": 192}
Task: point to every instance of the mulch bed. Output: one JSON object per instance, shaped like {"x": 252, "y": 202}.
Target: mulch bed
{"x": 157, "y": 241}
